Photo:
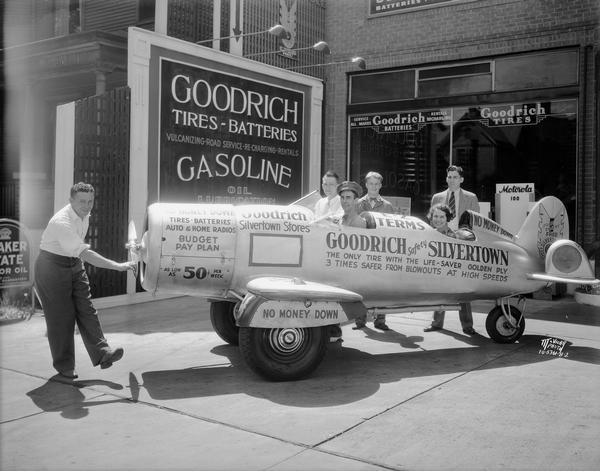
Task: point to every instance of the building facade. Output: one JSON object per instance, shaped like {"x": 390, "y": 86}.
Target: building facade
{"x": 507, "y": 89}
{"x": 60, "y": 51}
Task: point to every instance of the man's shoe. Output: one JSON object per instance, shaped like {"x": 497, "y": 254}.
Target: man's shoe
{"x": 70, "y": 374}
{"x": 334, "y": 331}
{"x": 431, "y": 328}
{"x": 359, "y": 326}
{"x": 381, "y": 326}
{"x": 110, "y": 357}
{"x": 470, "y": 331}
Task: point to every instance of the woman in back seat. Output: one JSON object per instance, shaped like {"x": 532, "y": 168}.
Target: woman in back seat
{"x": 439, "y": 215}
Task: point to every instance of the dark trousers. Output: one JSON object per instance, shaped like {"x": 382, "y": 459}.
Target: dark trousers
{"x": 465, "y": 315}
{"x": 64, "y": 290}
{"x": 361, "y": 321}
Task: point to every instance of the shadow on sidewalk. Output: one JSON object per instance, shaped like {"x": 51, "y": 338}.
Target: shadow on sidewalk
{"x": 563, "y": 310}
{"x": 347, "y": 374}
{"x": 64, "y": 396}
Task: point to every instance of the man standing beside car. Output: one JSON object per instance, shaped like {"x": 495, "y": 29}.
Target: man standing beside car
{"x": 458, "y": 200}
{"x": 330, "y": 205}
{"x": 63, "y": 287}
{"x": 373, "y": 201}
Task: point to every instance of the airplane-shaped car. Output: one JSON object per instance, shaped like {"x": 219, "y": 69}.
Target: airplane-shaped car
{"x": 278, "y": 279}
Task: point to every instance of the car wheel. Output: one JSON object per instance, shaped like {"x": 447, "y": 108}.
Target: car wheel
{"x": 283, "y": 354}
{"x": 223, "y": 321}
{"x": 500, "y": 330}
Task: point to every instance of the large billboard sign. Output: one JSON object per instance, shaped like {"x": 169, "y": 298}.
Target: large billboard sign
{"x": 226, "y": 138}
{"x": 212, "y": 127}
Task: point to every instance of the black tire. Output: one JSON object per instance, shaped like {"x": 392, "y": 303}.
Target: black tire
{"x": 283, "y": 354}
{"x": 223, "y": 321}
{"x": 500, "y": 330}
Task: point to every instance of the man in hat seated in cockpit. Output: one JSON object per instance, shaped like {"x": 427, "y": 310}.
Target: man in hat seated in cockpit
{"x": 349, "y": 193}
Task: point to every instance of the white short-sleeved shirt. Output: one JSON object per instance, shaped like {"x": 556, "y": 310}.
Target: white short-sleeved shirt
{"x": 326, "y": 206}
{"x": 65, "y": 233}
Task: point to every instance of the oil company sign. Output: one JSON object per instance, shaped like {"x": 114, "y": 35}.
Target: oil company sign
{"x": 15, "y": 255}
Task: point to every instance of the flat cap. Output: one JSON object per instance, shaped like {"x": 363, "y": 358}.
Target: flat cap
{"x": 352, "y": 186}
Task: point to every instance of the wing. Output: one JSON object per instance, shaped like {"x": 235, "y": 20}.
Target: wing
{"x": 296, "y": 289}
{"x": 278, "y": 302}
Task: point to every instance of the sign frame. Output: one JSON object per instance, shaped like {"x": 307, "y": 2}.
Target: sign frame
{"x": 145, "y": 48}
{"x": 214, "y": 167}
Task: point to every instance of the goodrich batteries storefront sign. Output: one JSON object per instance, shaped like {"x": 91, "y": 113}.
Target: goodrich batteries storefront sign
{"x": 225, "y": 138}
{"x": 401, "y": 122}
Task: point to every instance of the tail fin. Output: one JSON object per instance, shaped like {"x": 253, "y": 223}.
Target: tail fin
{"x": 546, "y": 222}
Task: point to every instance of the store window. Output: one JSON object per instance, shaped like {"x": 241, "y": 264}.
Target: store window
{"x": 507, "y": 143}
{"x": 405, "y": 148}
{"x": 454, "y": 80}
{"x": 519, "y": 143}
{"x": 537, "y": 70}
{"x": 383, "y": 86}
{"x": 542, "y": 70}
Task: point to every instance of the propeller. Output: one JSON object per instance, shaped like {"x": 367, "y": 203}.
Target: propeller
{"x": 135, "y": 249}
{"x": 132, "y": 243}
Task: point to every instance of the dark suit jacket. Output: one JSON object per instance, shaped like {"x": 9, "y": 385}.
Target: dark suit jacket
{"x": 466, "y": 200}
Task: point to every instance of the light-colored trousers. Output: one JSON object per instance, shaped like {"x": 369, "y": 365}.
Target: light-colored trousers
{"x": 465, "y": 314}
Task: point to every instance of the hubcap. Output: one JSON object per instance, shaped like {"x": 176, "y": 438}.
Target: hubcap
{"x": 504, "y": 327}
{"x": 286, "y": 341}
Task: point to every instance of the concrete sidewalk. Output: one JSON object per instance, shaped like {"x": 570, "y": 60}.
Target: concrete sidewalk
{"x": 402, "y": 400}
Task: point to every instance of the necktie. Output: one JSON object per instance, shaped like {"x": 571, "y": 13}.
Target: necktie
{"x": 452, "y": 204}
{"x": 373, "y": 202}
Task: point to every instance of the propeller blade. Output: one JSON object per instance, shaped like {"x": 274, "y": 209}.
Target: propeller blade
{"x": 132, "y": 244}
{"x": 131, "y": 232}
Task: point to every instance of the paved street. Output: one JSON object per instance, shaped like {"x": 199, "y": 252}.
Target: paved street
{"x": 403, "y": 400}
